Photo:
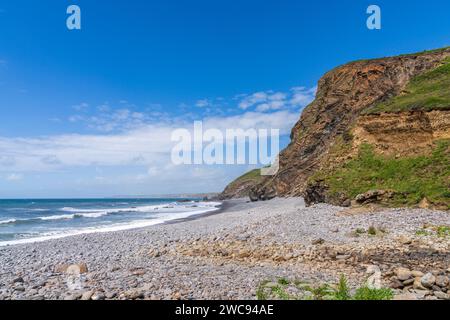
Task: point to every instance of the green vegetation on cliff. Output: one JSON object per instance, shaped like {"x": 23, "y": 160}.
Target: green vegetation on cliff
{"x": 411, "y": 178}
{"x": 253, "y": 176}
{"x": 428, "y": 91}
{"x": 242, "y": 185}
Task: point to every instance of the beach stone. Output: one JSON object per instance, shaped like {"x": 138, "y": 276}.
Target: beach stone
{"x": 72, "y": 269}
{"x": 87, "y": 295}
{"x": 408, "y": 282}
{"x": 271, "y": 285}
{"x": 135, "y": 294}
{"x": 343, "y": 257}
{"x": 18, "y": 280}
{"x": 416, "y": 274}
{"x": 436, "y": 288}
{"x": 83, "y": 267}
{"x": 403, "y": 274}
{"x": 32, "y": 292}
{"x": 110, "y": 295}
{"x": 442, "y": 295}
{"x": 139, "y": 272}
{"x": 176, "y": 296}
{"x": 418, "y": 284}
{"x": 405, "y": 240}
{"x": 396, "y": 284}
{"x": 98, "y": 296}
{"x": 347, "y": 203}
{"x": 374, "y": 281}
{"x": 369, "y": 196}
{"x": 421, "y": 294}
{"x": 442, "y": 281}
{"x": 405, "y": 297}
{"x": 61, "y": 268}
{"x": 318, "y": 241}
{"x": 73, "y": 296}
{"x": 243, "y": 238}
{"x": 424, "y": 204}
{"x": 428, "y": 280}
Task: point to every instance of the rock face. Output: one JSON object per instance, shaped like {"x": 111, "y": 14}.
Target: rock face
{"x": 337, "y": 113}
{"x": 403, "y": 134}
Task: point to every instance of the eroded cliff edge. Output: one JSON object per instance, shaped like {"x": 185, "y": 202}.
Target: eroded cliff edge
{"x": 399, "y": 106}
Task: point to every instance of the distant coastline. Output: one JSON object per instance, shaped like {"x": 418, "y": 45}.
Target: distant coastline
{"x": 210, "y": 195}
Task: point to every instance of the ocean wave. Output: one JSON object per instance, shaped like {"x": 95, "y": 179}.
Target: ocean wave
{"x": 174, "y": 209}
{"x": 103, "y": 211}
{"x": 89, "y": 214}
{"x": 28, "y": 209}
{"x": 54, "y": 218}
{"x": 58, "y": 217}
{"x": 9, "y": 221}
{"x": 135, "y": 224}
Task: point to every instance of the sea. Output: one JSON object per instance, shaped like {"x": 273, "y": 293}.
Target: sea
{"x": 24, "y": 221}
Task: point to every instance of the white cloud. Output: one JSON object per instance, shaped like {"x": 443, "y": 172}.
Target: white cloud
{"x": 263, "y": 107}
{"x": 76, "y": 118}
{"x": 252, "y": 100}
{"x": 108, "y": 120}
{"x": 202, "y": 103}
{"x": 269, "y": 100}
{"x": 302, "y": 96}
{"x": 81, "y": 107}
{"x": 271, "y": 105}
{"x": 128, "y": 141}
{"x": 104, "y": 107}
{"x": 148, "y": 145}
{"x": 14, "y": 177}
{"x": 278, "y": 96}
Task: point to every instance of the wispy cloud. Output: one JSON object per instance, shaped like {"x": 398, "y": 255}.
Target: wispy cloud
{"x": 264, "y": 101}
{"x": 14, "y": 177}
{"x": 149, "y": 145}
{"x": 302, "y": 96}
{"x": 81, "y": 107}
{"x": 136, "y": 142}
{"x": 202, "y": 103}
{"x": 106, "y": 118}
{"x": 253, "y": 99}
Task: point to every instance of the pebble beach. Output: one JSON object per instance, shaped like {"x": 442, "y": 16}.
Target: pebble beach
{"x": 229, "y": 253}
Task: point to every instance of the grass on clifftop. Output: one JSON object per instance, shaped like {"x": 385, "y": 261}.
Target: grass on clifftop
{"x": 252, "y": 176}
{"x": 425, "y": 52}
{"x": 428, "y": 91}
{"x": 412, "y": 178}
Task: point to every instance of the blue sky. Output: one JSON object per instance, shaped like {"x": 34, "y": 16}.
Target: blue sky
{"x": 145, "y": 67}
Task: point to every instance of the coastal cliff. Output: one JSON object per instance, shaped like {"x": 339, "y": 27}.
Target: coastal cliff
{"x": 394, "y": 111}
